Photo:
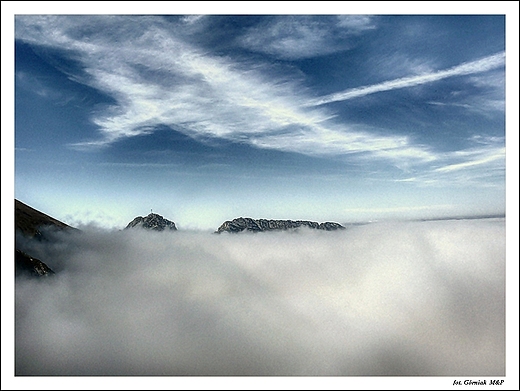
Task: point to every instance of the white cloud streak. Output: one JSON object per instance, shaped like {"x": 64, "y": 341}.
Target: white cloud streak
{"x": 398, "y": 299}
{"x": 404, "y": 209}
{"x": 480, "y": 166}
{"x": 474, "y": 67}
{"x": 479, "y": 158}
{"x": 488, "y": 103}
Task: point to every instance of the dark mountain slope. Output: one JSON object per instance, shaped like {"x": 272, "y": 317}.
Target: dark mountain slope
{"x": 33, "y": 225}
{"x": 30, "y": 221}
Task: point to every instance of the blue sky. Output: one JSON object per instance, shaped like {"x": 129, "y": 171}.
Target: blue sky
{"x": 206, "y": 118}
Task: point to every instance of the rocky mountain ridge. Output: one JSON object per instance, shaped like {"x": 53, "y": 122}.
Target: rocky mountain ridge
{"x": 248, "y": 224}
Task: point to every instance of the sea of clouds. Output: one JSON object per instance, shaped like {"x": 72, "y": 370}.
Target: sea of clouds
{"x": 393, "y": 299}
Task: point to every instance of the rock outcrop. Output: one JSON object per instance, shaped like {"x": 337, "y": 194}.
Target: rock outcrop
{"x": 153, "y": 222}
{"x": 248, "y": 224}
{"x": 29, "y": 266}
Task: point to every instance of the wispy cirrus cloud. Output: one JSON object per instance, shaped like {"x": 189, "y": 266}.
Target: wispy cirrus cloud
{"x": 158, "y": 79}
{"x": 482, "y": 165}
{"x": 475, "y": 105}
{"x": 303, "y": 36}
{"x": 476, "y": 158}
{"x": 469, "y": 68}
{"x": 191, "y": 19}
{"x": 487, "y": 101}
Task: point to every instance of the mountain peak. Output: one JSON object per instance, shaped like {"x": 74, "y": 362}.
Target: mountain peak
{"x": 153, "y": 222}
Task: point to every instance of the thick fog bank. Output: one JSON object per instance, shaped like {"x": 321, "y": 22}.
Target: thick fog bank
{"x": 418, "y": 298}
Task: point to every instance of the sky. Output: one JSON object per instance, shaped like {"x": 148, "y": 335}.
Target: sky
{"x": 205, "y": 118}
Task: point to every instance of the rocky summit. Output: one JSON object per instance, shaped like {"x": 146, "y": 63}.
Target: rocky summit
{"x": 247, "y": 224}
{"x": 153, "y": 222}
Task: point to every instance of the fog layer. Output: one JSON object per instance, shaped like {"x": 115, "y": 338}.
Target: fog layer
{"x": 415, "y": 298}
